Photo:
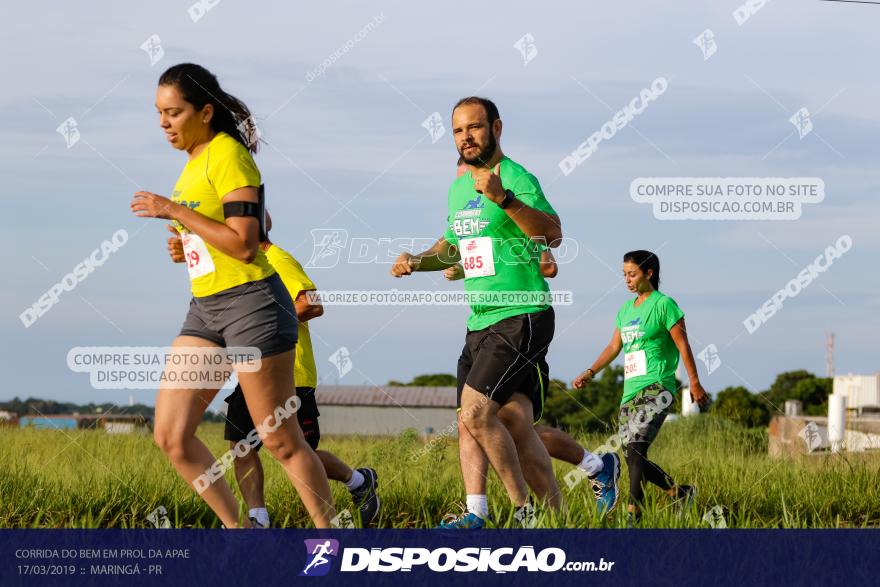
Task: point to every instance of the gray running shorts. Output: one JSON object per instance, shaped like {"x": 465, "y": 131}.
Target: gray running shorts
{"x": 254, "y": 314}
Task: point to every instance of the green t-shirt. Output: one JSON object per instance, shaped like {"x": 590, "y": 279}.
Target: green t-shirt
{"x": 650, "y": 353}
{"x": 497, "y": 256}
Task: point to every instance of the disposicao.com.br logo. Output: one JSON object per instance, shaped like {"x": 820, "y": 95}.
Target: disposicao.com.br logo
{"x": 442, "y": 560}
{"x": 317, "y": 553}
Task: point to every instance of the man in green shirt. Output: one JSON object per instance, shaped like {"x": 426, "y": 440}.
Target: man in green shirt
{"x": 498, "y": 219}
{"x": 603, "y": 471}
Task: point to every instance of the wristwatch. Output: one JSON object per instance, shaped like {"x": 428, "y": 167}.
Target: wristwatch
{"x": 508, "y": 198}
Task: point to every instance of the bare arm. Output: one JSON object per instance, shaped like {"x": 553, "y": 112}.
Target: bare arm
{"x": 306, "y": 310}
{"x": 678, "y": 332}
{"x": 535, "y": 224}
{"x": 175, "y": 246}
{"x": 608, "y": 354}
{"x": 439, "y": 257}
{"x": 238, "y": 236}
{"x": 549, "y": 268}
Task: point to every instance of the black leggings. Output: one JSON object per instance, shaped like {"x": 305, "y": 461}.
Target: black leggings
{"x": 641, "y": 470}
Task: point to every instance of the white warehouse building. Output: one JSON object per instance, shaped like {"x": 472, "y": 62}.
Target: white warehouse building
{"x": 386, "y": 410}
{"x": 861, "y": 391}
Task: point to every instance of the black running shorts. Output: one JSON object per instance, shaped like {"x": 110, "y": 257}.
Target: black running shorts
{"x": 239, "y": 422}
{"x": 508, "y": 357}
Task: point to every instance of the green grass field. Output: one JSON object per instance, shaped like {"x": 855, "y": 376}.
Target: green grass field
{"x": 88, "y": 479}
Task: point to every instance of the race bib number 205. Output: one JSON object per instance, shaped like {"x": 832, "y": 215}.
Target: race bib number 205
{"x": 634, "y": 364}
{"x": 477, "y": 258}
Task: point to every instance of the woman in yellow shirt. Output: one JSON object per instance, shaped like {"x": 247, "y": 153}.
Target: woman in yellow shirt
{"x": 238, "y": 299}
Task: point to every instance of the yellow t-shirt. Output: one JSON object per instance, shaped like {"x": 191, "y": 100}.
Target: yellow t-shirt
{"x": 305, "y": 373}
{"x": 223, "y": 166}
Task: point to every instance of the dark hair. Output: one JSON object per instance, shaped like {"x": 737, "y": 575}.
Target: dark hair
{"x": 487, "y": 104}
{"x": 646, "y": 260}
{"x": 199, "y": 87}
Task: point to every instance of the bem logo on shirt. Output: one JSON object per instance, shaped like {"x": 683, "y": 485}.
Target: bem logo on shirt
{"x": 468, "y": 226}
{"x": 474, "y": 204}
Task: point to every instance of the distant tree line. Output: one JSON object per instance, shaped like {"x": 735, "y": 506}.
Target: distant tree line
{"x": 430, "y": 380}
{"x": 594, "y": 408}
{"x": 47, "y": 407}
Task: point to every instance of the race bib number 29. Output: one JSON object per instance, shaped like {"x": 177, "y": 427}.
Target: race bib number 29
{"x": 198, "y": 258}
{"x": 477, "y": 258}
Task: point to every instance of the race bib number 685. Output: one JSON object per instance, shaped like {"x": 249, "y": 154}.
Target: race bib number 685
{"x": 477, "y": 257}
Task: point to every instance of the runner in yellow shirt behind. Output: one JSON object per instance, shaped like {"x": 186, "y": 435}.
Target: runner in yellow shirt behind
{"x": 362, "y": 482}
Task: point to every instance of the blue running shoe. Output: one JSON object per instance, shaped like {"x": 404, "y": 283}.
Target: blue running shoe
{"x": 465, "y": 521}
{"x": 605, "y": 484}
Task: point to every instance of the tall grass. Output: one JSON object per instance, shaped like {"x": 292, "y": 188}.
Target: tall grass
{"x": 89, "y": 479}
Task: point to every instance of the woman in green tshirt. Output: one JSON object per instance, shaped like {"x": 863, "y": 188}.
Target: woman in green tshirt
{"x": 650, "y": 330}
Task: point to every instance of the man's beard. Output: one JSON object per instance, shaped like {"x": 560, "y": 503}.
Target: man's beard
{"x": 484, "y": 156}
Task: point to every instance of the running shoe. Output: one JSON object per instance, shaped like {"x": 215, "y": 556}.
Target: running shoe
{"x": 463, "y": 521}
{"x": 633, "y": 519}
{"x": 365, "y": 497}
{"x": 526, "y": 516}
{"x": 687, "y": 495}
{"x": 255, "y": 523}
{"x": 604, "y": 484}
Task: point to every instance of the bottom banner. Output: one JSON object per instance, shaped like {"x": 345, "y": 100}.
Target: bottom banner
{"x": 566, "y": 557}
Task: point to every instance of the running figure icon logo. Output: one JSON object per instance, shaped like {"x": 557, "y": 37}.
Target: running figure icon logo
{"x": 802, "y": 122}
{"x": 715, "y": 517}
{"x": 159, "y": 518}
{"x": 317, "y": 553}
{"x": 328, "y": 245}
{"x": 812, "y": 436}
{"x": 153, "y": 48}
{"x": 342, "y": 360}
{"x": 527, "y": 48}
{"x": 434, "y": 125}
{"x": 710, "y": 358}
{"x": 706, "y": 42}
{"x": 69, "y": 131}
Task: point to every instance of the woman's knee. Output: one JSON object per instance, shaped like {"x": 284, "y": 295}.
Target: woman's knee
{"x": 170, "y": 443}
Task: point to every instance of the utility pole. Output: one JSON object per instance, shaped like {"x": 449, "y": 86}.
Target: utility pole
{"x": 829, "y": 355}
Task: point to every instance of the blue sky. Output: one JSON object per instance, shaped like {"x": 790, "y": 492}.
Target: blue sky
{"x": 355, "y": 132}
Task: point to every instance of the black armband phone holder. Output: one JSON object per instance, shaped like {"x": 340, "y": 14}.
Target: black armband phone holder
{"x": 255, "y": 209}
